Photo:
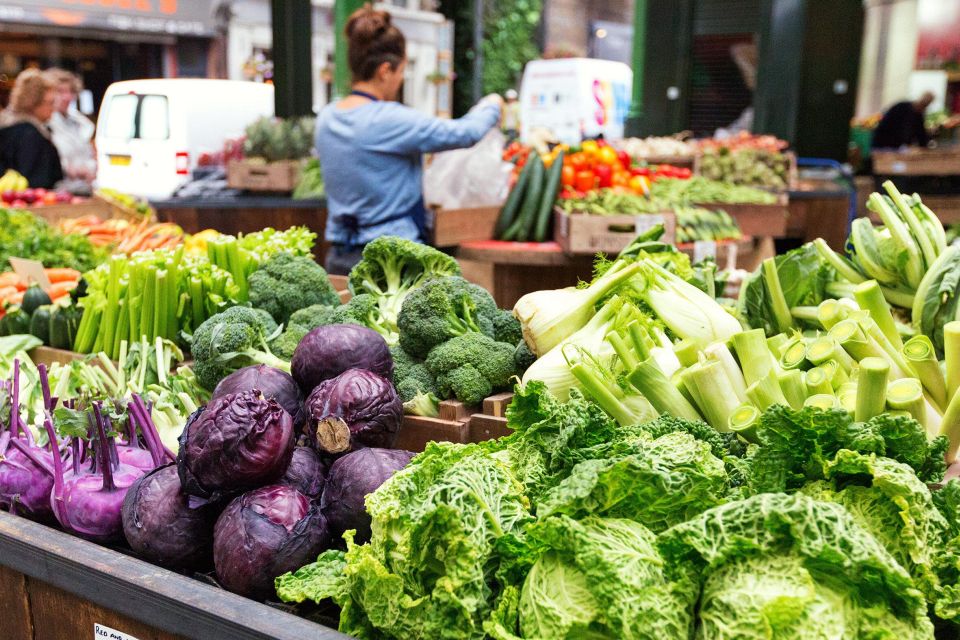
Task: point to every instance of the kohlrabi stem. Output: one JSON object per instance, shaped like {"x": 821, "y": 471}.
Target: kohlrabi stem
{"x": 778, "y": 304}
{"x": 106, "y": 465}
{"x": 906, "y": 394}
{"x": 951, "y": 350}
{"x": 871, "y": 388}
{"x": 919, "y": 353}
{"x": 56, "y": 496}
{"x": 871, "y": 300}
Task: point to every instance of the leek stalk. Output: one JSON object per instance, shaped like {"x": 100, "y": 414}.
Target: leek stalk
{"x": 718, "y": 352}
{"x": 871, "y": 300}
{"x": 794, "y": 354}
{"x": 871, "y": 388}
{"x": 743, "y": 422}
{"x": 823, "y": 401}
{"x": 660, "y": 391}
{"x": 826, "y": 348}
{"x": 766, "y": 392}
{"x": 709, "y": 384}
{"x": 755, "y": 359}
{"x": 951, "y": 351}
{"x": 830, "y": 312}
{"x": 919, "y": 353}
{"x": 817, "y": 381}
{"x": 793, "y": 388}
{"x": 906, "y": 394}
{"x": 950, "y": 427}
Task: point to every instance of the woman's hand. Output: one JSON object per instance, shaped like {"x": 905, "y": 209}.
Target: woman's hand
{"x": 494, "y": 98}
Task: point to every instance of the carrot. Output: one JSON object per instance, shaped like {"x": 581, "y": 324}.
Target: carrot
{"x": 62, "y": 274}
{"x": 7, "y": 292}
{"x": 60, "y": 289}
{"x": 9, "y": 279}
{"x": 16, "y": 298}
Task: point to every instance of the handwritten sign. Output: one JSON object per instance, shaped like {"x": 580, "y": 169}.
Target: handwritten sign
{"x": 100, "y": 632}
{"x": 31, "y": 271}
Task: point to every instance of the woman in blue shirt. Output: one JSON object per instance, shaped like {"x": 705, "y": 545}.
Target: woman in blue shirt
{"x": 371, "y": 146}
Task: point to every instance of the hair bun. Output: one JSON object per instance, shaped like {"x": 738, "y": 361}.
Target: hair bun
{"x": 367, "y": 24}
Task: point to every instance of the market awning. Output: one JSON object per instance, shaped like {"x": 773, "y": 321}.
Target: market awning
{"x": 171, "y": 17}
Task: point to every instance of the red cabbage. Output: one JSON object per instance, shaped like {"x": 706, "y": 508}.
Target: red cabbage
{"x": 160, "y": 526}
{"x": 356, "y": 409}
{"x": 351, "y": 479}
{"x": 328, "y": 351}
{"x": 263, "y": 534}
{"x": 307, "y": 473}
{"x": 236, "y": 443}
{"x": 272, "y": 383}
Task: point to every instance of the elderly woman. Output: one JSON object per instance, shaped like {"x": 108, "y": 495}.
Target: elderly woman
{"x": 25, "y": 140}
{"x": 72, "y": 131}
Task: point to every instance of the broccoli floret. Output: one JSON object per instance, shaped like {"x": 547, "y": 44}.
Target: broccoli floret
{"x": 364, "y": 310}
{"x": 441, "y": 309}
{"x": 228, "y": 341}
{"x": 286, "y": 283}
{"x": 316, "y": 315}
{"x": 270, "y": 325}
{"x": 286, "y": 343}
{"x": 523, "y": 357}
{"x": 506, "y": 328}
{"x": 391, "y": 267}
{"x": 471, "y": 367}
{"x": 413, "y": 380}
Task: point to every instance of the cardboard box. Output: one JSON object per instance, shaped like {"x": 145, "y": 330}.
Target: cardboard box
{"x": 584, "y": 233}
{"x": 451, "y": 227}
{"x": 259, "y": 176}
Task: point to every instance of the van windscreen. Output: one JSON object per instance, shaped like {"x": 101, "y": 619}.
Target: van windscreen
{"x": 133, "y": 116}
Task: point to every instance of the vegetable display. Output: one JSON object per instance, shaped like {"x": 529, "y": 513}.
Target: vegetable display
{"x": 750, "y": 167}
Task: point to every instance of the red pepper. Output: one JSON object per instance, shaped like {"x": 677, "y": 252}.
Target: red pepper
{"x": 640, "y": 171}
{"x": 585, "y": 180}
{"x": 624, "y": 158}
{"x": 604, "y": 175}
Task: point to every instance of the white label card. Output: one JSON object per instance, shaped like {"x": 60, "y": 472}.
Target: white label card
{"x": 645, "y": 222}
{"x": 703, "y": 249}
{"x": 31, "y": 271}
{"x": 101, "y": 632}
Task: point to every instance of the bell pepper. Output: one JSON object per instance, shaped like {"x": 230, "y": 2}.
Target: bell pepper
{"x": 585, "y": 180}
{"x": 604, "y": 175}
{"x": 624, "y": 159}
{"x": 568, "y": 175}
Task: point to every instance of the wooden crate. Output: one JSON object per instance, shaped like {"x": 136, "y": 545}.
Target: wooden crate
{"x": 54, "y": 213}
{"x": 768, "y": 220}
{"x": 917, "y": 162}
{"x": 279, "y": 176}
{"x": 728, "y": 254}
{"x": 49, "y": 356}
{"x": 451, "y": 227}
{"x": 588, "y": 234}
{"x": 457, "y": 422}
{"x": 340, "y": 283}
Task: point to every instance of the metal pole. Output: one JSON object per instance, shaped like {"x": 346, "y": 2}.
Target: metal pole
{"x": 341, "y": 68}
{"x": 293, "y": 84}
{"x": 477, "y": 50}
{"x": 635, "y": 114}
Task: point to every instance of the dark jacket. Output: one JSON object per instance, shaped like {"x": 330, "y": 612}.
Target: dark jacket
{"x": 901, "y": 125}
{"x": 25, "y": 149}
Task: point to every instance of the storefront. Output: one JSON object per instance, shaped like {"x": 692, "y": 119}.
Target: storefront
{"x": 109, "y": 40}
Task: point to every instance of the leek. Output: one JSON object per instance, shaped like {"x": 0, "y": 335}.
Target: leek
{"x": 718, "y": 352}
{"x": 835, "y": 373}
{"x": 794, "y": 355}
{"x": 847, "y": 394}
{"x": 778, "y": 303}
{"x": 823, "y": 401}
{"x": 766, "y": 392}
{"x": 794, "y": 390}
{"x": 826, "y": 348}
{"x": 853, "y": 339}
{"x": 776, "y": 343}
{"x": 871, "y": 388}
{"x": 950, "y": 427}
{"x": 830, "y": 312}
{"x": 871, "y": 300}
{"x": 743, "y": 422}
{"x": 709, "y": 385}
{"x": 686, "y": 352}
{"x": 906, "y": 394}
{"x": 919, "y": 353}
{"x": 755, "y": 359}
{"x": 951, "y": 351}
{"x": 661, "y": 392}
{"x": 817, "y": 381}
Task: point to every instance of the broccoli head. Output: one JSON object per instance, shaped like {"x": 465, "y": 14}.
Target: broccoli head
{"x": 415, "y": 384}
{"x": 441, "y": 309}
{"x": 228, "y": 341}
{"x": 286, "y": 343}
{"x": 506, "y": 328}
{"x": 363, "y": 309}
{"x": 391, "y": 267}
{"x": 316, "y": 315}
{"x": 286, "y": 283}
{"x": 472, "y": 366}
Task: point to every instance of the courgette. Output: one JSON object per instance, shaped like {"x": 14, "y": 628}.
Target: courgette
{"x": 15, "y": 322}
{"x": 33, "y": 298}
{"x": 520, "y": 230}
{"x": 63, "y": 326}
{"x": 548, "y": 199}
{"x": 40, "y": 322}
{"x": 509, "y": 211}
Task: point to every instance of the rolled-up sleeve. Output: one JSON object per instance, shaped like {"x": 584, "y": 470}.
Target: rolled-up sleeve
{"x": 412, "y": 132}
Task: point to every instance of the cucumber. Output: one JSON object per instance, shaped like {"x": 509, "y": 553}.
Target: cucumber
{"x": 509, "y": 211}
{"x": 520, "y": 230}
{"x": 548, "y": 199}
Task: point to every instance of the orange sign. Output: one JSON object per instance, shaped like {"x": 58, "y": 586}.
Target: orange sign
{"x": 175, "y": 17}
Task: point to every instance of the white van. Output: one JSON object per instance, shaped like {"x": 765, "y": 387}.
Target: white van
{"x": 150, "y": 133}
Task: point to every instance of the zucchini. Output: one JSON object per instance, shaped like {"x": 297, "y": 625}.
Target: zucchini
{"x": 509, "y": 211}
{"x": 15, "y": 322}
{"x": 40, "y": 322}
{"x": 520, "y": 230}
{"x": 548, "y": 199}
{"x": 64, "y": 322}
{"x": 34, "y": 297}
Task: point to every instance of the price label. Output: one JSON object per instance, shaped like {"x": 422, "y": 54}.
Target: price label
{"x": 645, "y": 222}
{"x": 101, "y": 632}
{"x": 898, "y": 167}
{"x": 703, "y": 249}
{"x": 31, "y": 271}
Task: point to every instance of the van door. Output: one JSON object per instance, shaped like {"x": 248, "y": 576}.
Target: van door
{"x": 136, "y": 152}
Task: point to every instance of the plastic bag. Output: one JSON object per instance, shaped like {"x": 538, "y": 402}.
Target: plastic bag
{"x": 468, "y": 178}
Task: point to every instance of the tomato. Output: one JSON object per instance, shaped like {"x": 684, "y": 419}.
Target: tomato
{"x": 621, "y": 178}
{"x": 640, "y": 171}
{"x": 578, "y": 161}
{"x": 665, "y": 171}
{"x": 585, "y": 180}
{"x": 607, "y": 156}
{"x": 640, "y": 184}
{"x": 590, "y": 148}
{"x": 624, "y": 159}
{"x": 601, "y": 142}
{"x": 568, "y": 175}
{"x": 604, "y": 175}
{"x": 684, "y": 173}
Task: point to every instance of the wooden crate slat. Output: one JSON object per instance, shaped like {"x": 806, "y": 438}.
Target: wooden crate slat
{"x": 496, "y": 405}
{"x": 417, "y": 431}
{"x": 588, "y": 234}
{"x": 451, "y": 227}
{"x": 484, "y": 428}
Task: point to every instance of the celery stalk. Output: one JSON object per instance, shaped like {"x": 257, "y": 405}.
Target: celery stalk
{"x": 661, "y": 392}
{"x": 871, "y": 300}
{"x": 793, "y": 388}
{"x": 123, "y": 328}
{"x": 823, "y": 401}
{"x": 779, "y": 306}
{"x": 755, "y": 359}
{"x": 766, "y": 392}
{"x": 871, "y": 388}
{"x": 161, "y": 296}
{"x": 743, "y": 422}
{"x": 718, "y": 352}
{"x": 817, "y": 381}
{"x": 906, "y": 394}
{"x": 951, "y": 350}
{"x": 149, "y": 298}
{"x": 919, "y": 353}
